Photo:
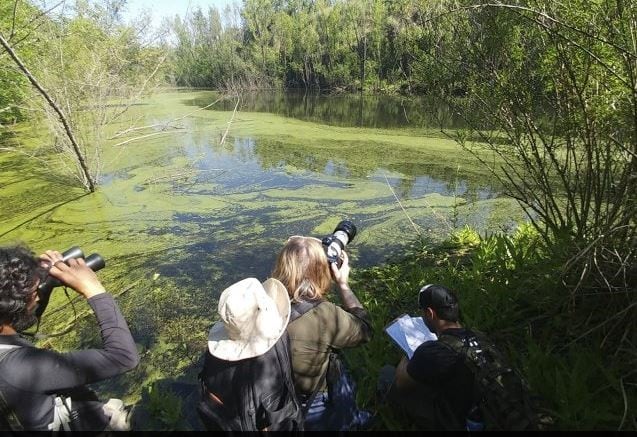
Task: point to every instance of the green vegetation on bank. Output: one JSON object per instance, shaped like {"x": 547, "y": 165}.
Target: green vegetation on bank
{"x": 179, "y": 217}
{"x": 510, "y": 288}
{"x": 547, "y": 88}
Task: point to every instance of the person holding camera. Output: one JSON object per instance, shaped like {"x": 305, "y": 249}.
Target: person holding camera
{"x": 318, "y": 327}
{"x": 41, "y": 389}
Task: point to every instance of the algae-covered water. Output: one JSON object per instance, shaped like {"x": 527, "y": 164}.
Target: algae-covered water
{"x": 182, "y": 214}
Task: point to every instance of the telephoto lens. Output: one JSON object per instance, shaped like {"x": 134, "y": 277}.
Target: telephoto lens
{"x": 334, "y": 243}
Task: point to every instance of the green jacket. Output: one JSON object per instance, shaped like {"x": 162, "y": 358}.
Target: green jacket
{"x": 316, "y": 333}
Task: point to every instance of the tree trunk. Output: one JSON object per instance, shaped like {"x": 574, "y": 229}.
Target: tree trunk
{"x": 58, "y": 111}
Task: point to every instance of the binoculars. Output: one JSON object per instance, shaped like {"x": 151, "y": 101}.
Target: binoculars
{"x": 94, "y": 261}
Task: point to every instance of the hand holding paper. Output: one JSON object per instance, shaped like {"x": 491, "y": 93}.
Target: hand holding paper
{"x": 409, "y": 333}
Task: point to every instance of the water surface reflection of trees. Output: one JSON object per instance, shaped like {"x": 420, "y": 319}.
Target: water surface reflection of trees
{"x": 355, "y": 110}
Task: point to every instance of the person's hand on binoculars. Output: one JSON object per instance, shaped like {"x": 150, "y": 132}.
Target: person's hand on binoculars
{"x": 74, "y": 273}
{"x": 341, "y": 276}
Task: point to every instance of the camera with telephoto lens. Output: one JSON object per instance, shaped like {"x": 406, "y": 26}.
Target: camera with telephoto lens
{"x": 94, "y": 261}
{"x": 335, "y": 242}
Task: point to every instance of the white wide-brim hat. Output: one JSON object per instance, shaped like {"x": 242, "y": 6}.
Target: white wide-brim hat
{"x": 253, "y": 318}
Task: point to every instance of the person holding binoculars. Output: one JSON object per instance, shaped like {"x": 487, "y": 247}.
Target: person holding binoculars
{"x": 307, "y": 267}
{"x": 43, "y": 390}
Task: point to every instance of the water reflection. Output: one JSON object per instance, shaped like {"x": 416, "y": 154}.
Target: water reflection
{"x": 247, "y": 161}
{"x": 181, "y": 217}
{"x": 348, "y": 110}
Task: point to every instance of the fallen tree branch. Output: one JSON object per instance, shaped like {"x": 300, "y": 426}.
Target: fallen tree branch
{"x": 143, "y": 137}
{"x": 403, "y": 208}
{"x": 58, "y": 111}
{"x": 223, "y": 138}
{"x": 133, "y": 129}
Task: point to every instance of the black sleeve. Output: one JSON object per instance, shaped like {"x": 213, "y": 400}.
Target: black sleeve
{"x": 50, "y": 371}
{"x": 431, "y": 363}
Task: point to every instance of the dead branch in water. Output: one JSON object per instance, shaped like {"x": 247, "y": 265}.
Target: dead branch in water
{"x": 167, "y": 124}
{"x": 223, "y": 139}
{"x": 184, "y": 174}
{"x": 403, "y": 208}
{"x": 90, "y": 183}
{"x": 144, "y": 137}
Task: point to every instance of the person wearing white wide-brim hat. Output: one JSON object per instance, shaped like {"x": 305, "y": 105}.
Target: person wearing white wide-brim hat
{"x": 246, "y": 379}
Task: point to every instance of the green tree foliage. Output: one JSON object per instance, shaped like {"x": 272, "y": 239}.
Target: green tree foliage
{"x": 207, "y": 53}
{"x": 550, "y": 89}
{"x": 16, "y": 25}
{"x": 90, "y": 64}
{"x": 554, "y": 83}
{"x": 322, "y": 44}
{"x": 259, "y": 18}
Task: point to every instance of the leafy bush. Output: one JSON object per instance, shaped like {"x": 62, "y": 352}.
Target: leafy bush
{"x": 509, "y": 287}
{"x": 164, "y": 405}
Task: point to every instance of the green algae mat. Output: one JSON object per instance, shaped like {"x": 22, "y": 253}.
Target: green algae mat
{"x": 181, "y": 214}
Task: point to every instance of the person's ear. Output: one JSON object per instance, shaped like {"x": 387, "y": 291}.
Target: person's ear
{"x": 429, "y": 313}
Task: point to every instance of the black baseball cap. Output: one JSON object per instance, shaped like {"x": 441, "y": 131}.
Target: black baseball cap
{"x": 437, "y": 297}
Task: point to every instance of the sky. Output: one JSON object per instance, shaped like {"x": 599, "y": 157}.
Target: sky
{"x": 170, "y": 8}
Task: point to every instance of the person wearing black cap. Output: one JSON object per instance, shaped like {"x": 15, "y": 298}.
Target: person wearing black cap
{"x": 434, "y": 387}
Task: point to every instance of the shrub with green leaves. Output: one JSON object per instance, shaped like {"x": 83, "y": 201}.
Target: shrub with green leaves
{"x": 509, "y": 287}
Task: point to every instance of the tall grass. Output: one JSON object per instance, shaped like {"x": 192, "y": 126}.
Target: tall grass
{"x": 510, "y": 287}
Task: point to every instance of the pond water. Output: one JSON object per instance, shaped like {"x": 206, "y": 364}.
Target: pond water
{"x": 185, "y": 212}
{"x": 349, "y": 110}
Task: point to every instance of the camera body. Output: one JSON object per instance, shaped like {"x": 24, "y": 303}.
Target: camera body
{"x": 335, "y": 242}
{"x": 94, "y": 261}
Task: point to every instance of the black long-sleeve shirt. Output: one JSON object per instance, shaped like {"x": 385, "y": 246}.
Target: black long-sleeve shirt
{"x": 30, "y": 378}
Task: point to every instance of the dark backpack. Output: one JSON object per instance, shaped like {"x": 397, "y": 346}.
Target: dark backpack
{"x": 283, "y": 412}
{"x": 501, "y": 394}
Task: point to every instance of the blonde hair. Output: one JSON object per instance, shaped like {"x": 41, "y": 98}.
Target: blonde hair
{"x": 303, "y": 268}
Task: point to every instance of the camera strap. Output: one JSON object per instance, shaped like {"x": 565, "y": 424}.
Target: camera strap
{"x": 38, "y": 336}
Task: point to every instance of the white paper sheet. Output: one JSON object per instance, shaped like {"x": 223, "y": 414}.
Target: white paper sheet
{"x": 409, "y": 333}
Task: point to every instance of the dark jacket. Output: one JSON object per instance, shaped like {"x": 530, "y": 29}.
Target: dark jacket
{"x": 257, "y": 393}
{"x": 30, "y": 377}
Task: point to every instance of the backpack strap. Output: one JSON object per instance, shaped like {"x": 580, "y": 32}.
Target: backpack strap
{"x": 248, "y": 396}
{"x": 216, "y": 413}
{"x": 462, "y": 348}
{"x": 292, "y": 410}
{"x": 472, "y": 349}
{"x": 297, "y": 310}
{"x": 7, "y": 413}
{"x": 302, "y": 307}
